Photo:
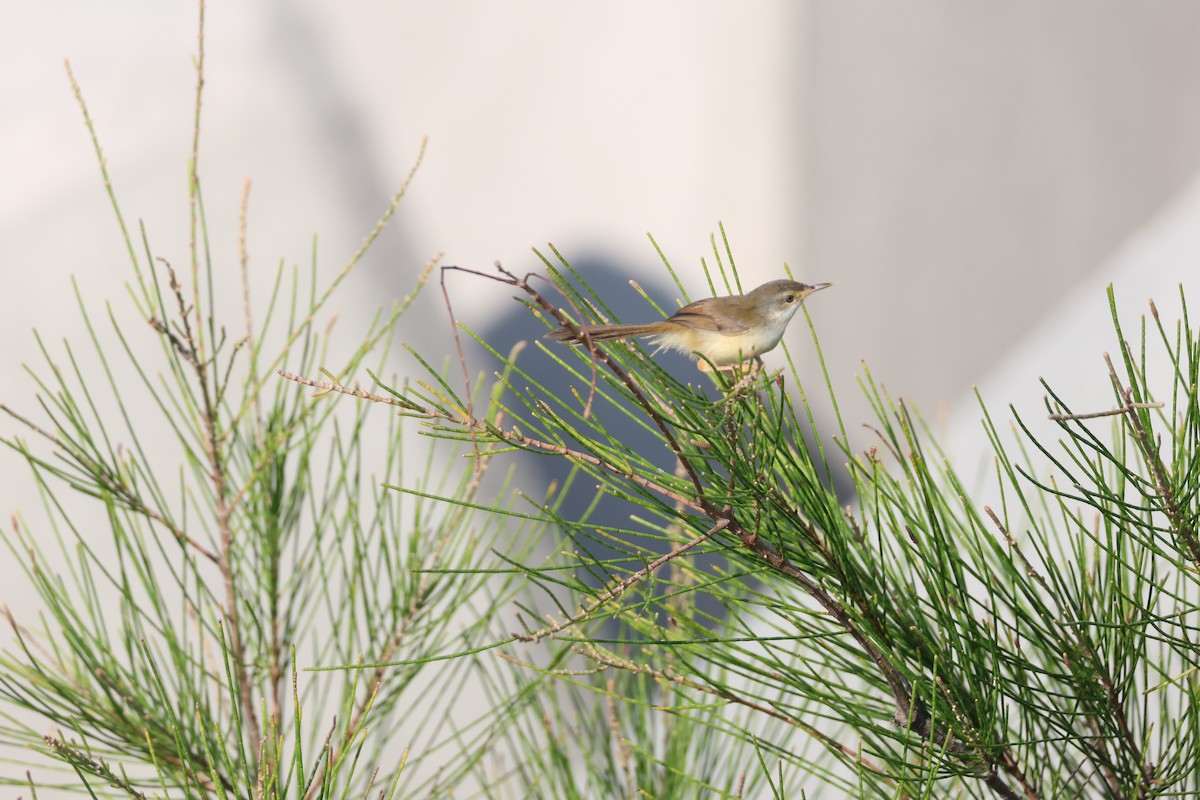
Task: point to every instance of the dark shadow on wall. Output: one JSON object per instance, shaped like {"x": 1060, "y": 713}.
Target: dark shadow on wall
{"x": 610, "y": 280}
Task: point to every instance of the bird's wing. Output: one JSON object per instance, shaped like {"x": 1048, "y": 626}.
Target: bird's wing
{"x": 696, "y": 315}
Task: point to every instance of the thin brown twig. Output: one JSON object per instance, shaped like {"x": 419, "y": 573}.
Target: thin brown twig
{"x": 1112, "y": 412}
{"x": 619, "y": 589}
{"x": 462, "y": 358}
{"x": 195, "y": 208}
{"x": 334, "y": 385}
{"x": 509, "y": 279}
{"x": 588, "y": 342}
{"x": 247, "y": 309}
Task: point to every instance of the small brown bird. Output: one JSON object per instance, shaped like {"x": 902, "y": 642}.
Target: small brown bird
{"x": 724, "y": 330}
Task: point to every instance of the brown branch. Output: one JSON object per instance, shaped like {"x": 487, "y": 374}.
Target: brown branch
{"x": 900, "y": 686}
{"x": 509, "y": 279}
{"x": 209, "y": 418}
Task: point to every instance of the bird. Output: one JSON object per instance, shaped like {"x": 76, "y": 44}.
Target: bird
{"x": 722, "y": 330}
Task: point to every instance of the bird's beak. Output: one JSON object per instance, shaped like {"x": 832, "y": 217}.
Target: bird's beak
{"x": 816, "y": 287}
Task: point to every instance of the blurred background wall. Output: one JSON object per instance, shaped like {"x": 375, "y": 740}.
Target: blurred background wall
{"x": 956, "y": 169}
{"x": 969, "y": 175}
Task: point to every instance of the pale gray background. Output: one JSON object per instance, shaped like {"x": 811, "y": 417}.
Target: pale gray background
{"x": 970, "y": 175}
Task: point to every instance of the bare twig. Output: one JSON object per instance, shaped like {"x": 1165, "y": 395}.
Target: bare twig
{"x": 508, "y": 278}
{"x": 1112, "y": 412}
{"x": 468, "y": 395}
{"x": 247, "y": 311}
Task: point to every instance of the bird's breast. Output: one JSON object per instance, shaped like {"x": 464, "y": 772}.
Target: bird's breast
{"x": 719, "y": 348}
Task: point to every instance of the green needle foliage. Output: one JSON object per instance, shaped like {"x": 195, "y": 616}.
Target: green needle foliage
{"x": 279, "y": 610}
{"x": 927, "y": 646}
{"x": 239, "y": 532}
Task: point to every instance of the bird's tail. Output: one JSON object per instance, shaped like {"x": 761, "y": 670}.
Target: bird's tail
{"x": 600, "y": 333}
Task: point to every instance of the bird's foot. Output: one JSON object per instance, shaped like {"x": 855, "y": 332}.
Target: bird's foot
{"x": 745, "y": 373}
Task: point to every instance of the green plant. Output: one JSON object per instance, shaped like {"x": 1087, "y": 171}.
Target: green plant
{"x": 257, "y": 616}
{"x": 932, "y": 647}
{"x": 238, "y": 534}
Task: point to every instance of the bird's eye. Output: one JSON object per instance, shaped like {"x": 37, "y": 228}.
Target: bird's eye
{"x": 791, "y": 298}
